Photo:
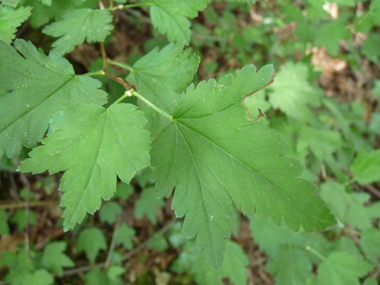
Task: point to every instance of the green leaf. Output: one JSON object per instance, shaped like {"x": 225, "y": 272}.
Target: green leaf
{"x": 10, "y": 19}
{"x": 124, "y": 236}
{"x": 330, "y": 35}
{"x": 235, "y": 263}
{"x": 12, "y": 3}
{"x": 19, "y": 219}
{"x": 369, "y": 19}
{"x": 234, "y": 266}
{"x": 123, "y": 191}
{"x": 109, "y": 211}
{"x": 4, "y": 228}
{"x": 96, "y": 143}
{"x": 78, "y": 26}
{"x": 170, "y": 17}
{"x": 369, "y": 242}
{"x": 39, "y": 277}
{"x": 95, "y": 277}
{"x": 342, "y": 268}
{"x": 41, "y": 87}
{"x": 271, "y": 237}
{"x": 114, "y": 272}
{"x": 91, "y": 240}
{"x": 217, "y": 159}
{"x": 147, "y": 205}
{"x": 292, "y": 266}
{"x": 54, "y": 258}
{"x": 292, "y": 93}
{"x": 42, "y": 14}
{"x": 366, "y": 167}
{"x": 160, "y": 76}
{"x": 348, "y": 208}
{"x": 158, "y": 242}
{"x": 371, "y": 47}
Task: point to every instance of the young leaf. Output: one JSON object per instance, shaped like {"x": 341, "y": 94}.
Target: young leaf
{"x": 93, "y": 145}
{"x": 42, "y": 14}
{"x": 10, "y": 19}
{"x": 147, "y": 205}
{"x": 123, "y": 191}
{"x": 39, "y": 277}
{"x": 292, "y": 266}
{"x": 342, "y": 268}
{"x": 91, "y": 241}
{"x": 234, "y": 266}
{"x": 292, "y": 93}
{"x": 19, "y": 219}
{"x": 124, "y": 236}
{"x": 161, "y": 76}
{"x": 41, "y": 87}
{"x": 158, "y": 242}
{"x": 54, "y": 258}
{"x": 109, "y": 211}
{"x": 78, "y": 26}
{"x": 4, "y": 228}
{"x": 370, "y": 48}
{"x": 169, "y": 16}
{"x": 366, "y": 167}
{"x": 217, "y": 159}
{"x": 348, "y": 207}
{"x": 369, "y": 242}
{"x": 330, "y": 35}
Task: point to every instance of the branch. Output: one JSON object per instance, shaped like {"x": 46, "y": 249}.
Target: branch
{"x": 32, "y": 204}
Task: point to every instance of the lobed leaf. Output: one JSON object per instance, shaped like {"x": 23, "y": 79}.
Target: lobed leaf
{"x": 10, "y": 19}
{"x": 160, "y": 76}
{"x": 41, "y": 86}
{"x": 170, "y": 17}
{"x": 93, "y": 145}
{"x": 78, "y": 26}
{"x": 217, "y": 159}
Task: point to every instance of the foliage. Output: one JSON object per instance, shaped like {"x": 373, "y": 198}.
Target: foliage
{"x": 158, "y": 133}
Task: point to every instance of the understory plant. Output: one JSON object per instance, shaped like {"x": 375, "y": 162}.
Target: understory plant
{"x": 258, "y": 142}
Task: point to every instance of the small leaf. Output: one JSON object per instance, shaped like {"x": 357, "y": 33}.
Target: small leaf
{"x": 123, "y": 191}
{"x": 54, "y": 258}
{"x": 348, "y": 207}
{"x": 147, "y": 205}
{"x": 158, "y": 242}
{"x": 292, "y": 93}
{"x": 170, "y": 17}
{"x": 19, "y": 219}
{"x": 366, "y": 167}
{"x": 78, "y": 26}
{"x": 342, "y": 268}
{"x": 39, "y": 277}
{"x": 292, "y": 266}
{"x": 4, "y": 228}
{"x": 369, "y": 242}
{"x": 91, "y": 241}
{"x": 109, "y": 211}
{"x": 124, "y": 236}
{"x": 160, "y": 76}
{"x": 10, "y": 19}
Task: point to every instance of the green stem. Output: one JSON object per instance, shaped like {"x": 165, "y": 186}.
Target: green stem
{"x": 111, "y": 5}
{"x": 131, "y": 6}
{"x": 316, "y": 253}
{"x": 100, "y": 72}
{"x": 125, "y": 95}
{"x": 150, "y": 104}
{"x": 120, "y": 65}
{"x": 349, "y": 182}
